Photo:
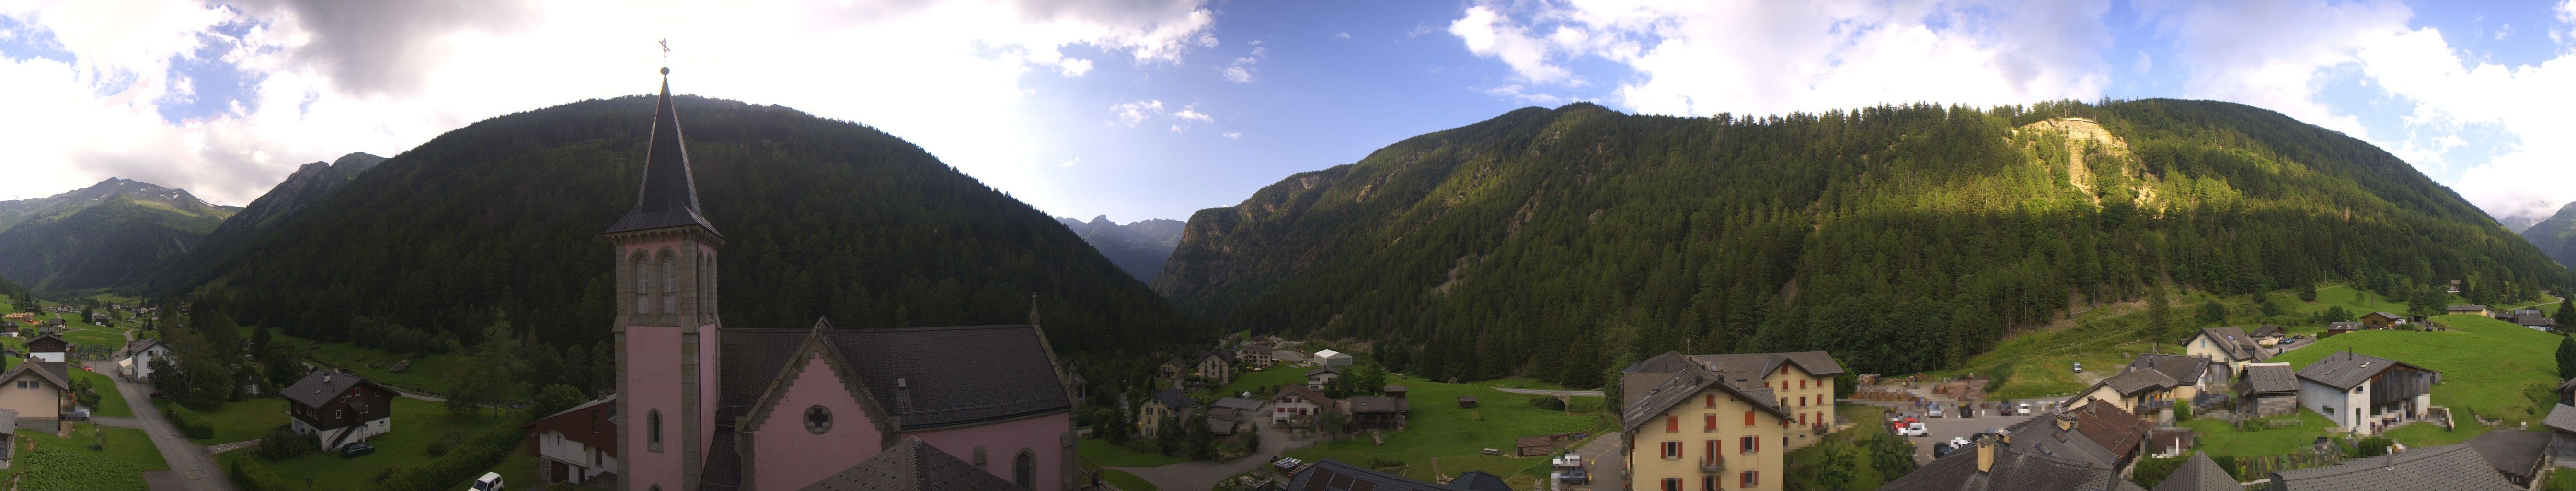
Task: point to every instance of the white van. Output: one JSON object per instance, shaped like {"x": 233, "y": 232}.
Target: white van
{"x": 491, "y": 481}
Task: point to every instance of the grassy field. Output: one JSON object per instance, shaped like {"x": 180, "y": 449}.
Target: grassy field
{"x": 1453, "y": 439}
{"x": 416, "y": 424}
{"x": 110, "y": 401}
{"x": 249, "y": 419}
{"x": 1261, "y": 384}
{"x": 125, "y": 444}
{"x": 2486, "y": 364}
{"x": 1102, "y": 452}
{"x": 428, "y": 374}
{"x": 518, "y": 471}
{"x": 2220, "y": 438}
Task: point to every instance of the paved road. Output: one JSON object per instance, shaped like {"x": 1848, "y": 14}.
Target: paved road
{"x": 1943, "y": 429}
{"x": 1601, "y": 461}
{"x": 1201, "y": 474}
{"x": 191, "y": 467}
{"x": 1581, "y": 393}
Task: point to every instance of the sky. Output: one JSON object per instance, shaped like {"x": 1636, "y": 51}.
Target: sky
{"x": 1140, "y": 109}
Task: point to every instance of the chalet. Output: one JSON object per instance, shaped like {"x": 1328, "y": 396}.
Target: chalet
{"x": 47, "y": 348}
{"x": 1168, "y": 407}
{"x": 2228, "y": 346}
{"x": 1323, "y": 377}
{"x": 1296, "y": 405}
{"x": 1395, "y": 391}
{"x": 1466, "y": 401}
{"x": 2455, "y": 287}
{"x": 2529, "y": 318}
{"x": 2267, "y": 389}
{"x": 13, "y": 319}
{"x": 1231, "y": 414}
{"x": 2520, "y": 456}
{"x": 2153, "y": 383}
{"x": 576, "y": 445}
{"x": 2449, "y": 468}
{"x": 338, "y": 408}
{"x": 39, "y": 392}
{"x": 2381, "y": 320}
{"x": 1534, "y": 446}
{"x": 1215, "y": 367}
{"x": 2083, "y": 448}
{"x": 1377, "y": 412}
{"x": 2334, "y": 328}
{"x": 2269, "y": 334}
{"x": 2366, "y": 394}
{"x": 1255, "y": 354}
{"x": 1330, "y": 358}
{"x": 135, "y": 361}
{"x": 1173, "y": 369}
{"x": 2467, "y": 310}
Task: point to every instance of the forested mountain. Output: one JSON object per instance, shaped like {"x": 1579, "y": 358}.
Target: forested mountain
{"x": 821, "y": 218}
{"x": 1551, "y": 242}
{"x": 1138, "y": 247}
{"x": 61, "y": 205}
{"x": 300, "y": 190}
{"x": 2552, "y": 235}
{"x": 112, "y": 242}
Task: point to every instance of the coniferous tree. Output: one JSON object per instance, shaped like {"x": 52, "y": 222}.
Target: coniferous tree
{"x": 2566, "y": 358}
{"x": 2160, "y": 326}
{"x": 2566, "y": 314}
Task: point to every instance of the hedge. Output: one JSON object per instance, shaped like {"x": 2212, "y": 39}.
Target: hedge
{"x": 256, "y": 478}
{"x": 189, "y": 422}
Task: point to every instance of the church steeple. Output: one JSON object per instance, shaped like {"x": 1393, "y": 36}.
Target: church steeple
{"x": 669, "y": 195}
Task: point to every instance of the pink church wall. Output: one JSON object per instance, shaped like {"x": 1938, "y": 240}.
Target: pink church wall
{"x": 652, "y": 371}
{"x": 792, "y": 458}
{"x": 1002, "y": 442}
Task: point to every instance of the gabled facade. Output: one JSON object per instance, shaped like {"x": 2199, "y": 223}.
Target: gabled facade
{"x": 1705, "y": 430}
{"x": 1166, "y": 408}
{"x": 338, "y": 408}
{"x": 1255, "y": 354}
{"x": 1216, "y": 368}
{"x": 1296, "y": 405}
{"x": 576, "y": 445}
{"x": 47, "y": 348}
{"x": 2366, "y": 394}
{"x": 2226, "y": 345}
{"x": 1802, "y": 383}
{"x": 39, "y": 392}
{"x": 2381, "y": 320}
{"x": 135, "y": 361}
{"x": 1323, "y": 378}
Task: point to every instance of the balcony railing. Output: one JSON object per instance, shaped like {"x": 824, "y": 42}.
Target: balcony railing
{"x": 1712, "y": 466}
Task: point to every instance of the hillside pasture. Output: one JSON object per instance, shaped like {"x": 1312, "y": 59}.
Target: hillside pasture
{"x": 2486, "y": 366}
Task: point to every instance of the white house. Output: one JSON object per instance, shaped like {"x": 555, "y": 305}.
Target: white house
{"x": 576, "y": 445}
{"x": 135, "y": 362}
{"x": 2366, "y": 394}
{"x": 1332, "y": 358}
{"x": 2226, "y": 345}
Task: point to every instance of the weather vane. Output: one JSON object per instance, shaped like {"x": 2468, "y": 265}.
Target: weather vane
{"x": 666, "y": 56}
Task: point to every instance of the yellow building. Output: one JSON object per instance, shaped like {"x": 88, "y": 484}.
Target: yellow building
{"x": 1723, "y": 422}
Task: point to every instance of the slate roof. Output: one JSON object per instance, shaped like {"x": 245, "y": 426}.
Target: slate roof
{"x": 2344, "y": 369}
{"x": 1173, "y": 398}
{"x": 951, "y": 376}
{"x": 314, "y": 391}
{"x": 2132, "y": 383}
{"x": 2199, "y": 474}
{"x": 2465, "y": 308}
{"x": 2271, "y": 378}
{"x": 136, "y": 346}
{"x": 2014, "y": 470}
{"x": 2103, "y": 435}
{"x": 2343, "y": 326}
{"x": 608, "y": 411}
{"x": 1480, "y": 481}
{"x": 723, "y": 470}
{"x": 1689, "y": 382}
{"x": 2533, "y": 319}
{"x": 2267, "y": 330}
{"x": 2512, "y": 452}
{"x": 913, "y": 466}
{"x": 1236, "y": 403}
{"x": 2390, "y": 315}
{"x": 1323, "y": 370}
{"x": 8, "y": 422}
{"x": 1310, "y": 395}
{"x": 2233, "y": 341}
{"x": 2562, "y": 418}
{"x": 668, "y": 197}
{"x": 2449, "y": 468}
{"x": 1379, "y": 404}
{"x": 1335, "y": 475}
{"x": 1818, "y": 363}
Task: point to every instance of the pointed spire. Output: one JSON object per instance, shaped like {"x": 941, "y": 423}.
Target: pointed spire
{"x": 668, "y": 196}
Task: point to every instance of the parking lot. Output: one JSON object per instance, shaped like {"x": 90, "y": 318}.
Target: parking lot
{"x": 1943, "y": 429}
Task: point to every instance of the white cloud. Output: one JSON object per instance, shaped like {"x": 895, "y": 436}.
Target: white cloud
{"x": 1775, "y": 57}
{"x": 1130, "y": 113}
{"x": 1341, "y": 35}
{"x": 1191, "y": 112}
{"x": 1233, "y": 135}
{"x": 1241, "y": 70}
{"x": 326, "y": 78}
{"x": 1180, "y": 128}
{"x": 1236, "y": 74}
{"x": 1070, "y": 162}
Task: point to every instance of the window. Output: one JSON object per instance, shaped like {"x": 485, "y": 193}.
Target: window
{"x": 818, "y": 419}
{"x": 1802, "y": 419}
{"x": 1749, "y": 479}
{"x": 1708, "y": 483}
{"x": 1802, "y": 400}
{"x": 1802, "y": 383}
{"x": 653, "y": 426}
{"x": 1672, "y": 424}
{"x": 1672, "y": 450}
{"x": 1712, "y": 400}
{"x": 1749, "y": 445}
{"x": 1672, "y": 484}
{"x": 1711, "y": 420}
{"x": 1024, "y": 469}
{"x": 1748, "y": 418}
{"x": 1711, "y": 457}
{"x": 643, "y": 281}
{"x": 670, "y": 294}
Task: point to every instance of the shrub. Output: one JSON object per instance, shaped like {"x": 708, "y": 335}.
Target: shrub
{"x": 2370, "y": 447}
{"x": 1547, "y": 402}
{"x": 255, "y": 477}
{"x": 2151, "y": 472}
{"x": 445, "y": 443}
{"x": 283, "y": 443}
{"x": 188, "y": 422}
{"x": 57, "y": 467}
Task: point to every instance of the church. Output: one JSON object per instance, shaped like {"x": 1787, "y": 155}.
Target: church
{"x": 708, "y": 407}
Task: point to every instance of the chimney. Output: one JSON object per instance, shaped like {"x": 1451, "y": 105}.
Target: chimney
{"x": 1985, "y": 454}
{"x": 2004, "y": 435}
{"x": 326, "y": 377}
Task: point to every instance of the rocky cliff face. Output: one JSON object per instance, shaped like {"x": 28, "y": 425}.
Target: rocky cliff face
{"x": 1138, "y": 247}
{"x": 302, "y": 189}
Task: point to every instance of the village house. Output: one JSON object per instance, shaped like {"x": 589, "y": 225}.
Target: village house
{"x": 1169, "y": 407}
{"x": 1214, "y": 367}
{"x": 2269, "y": 334}
{"x": 15, "y": 318}
{"x": 2467, "y": 310}
{"x": 2199, "y": 473}
{"x": 2084, "y": 448}
{"x": 1334, "y": 359}
{"x": 135, "y": 361}
{"x": 47, "y": 348}
{"x": 2228, "y": 346}
{"x": 39, "y": 392}
{"x": 1323, "y": 377}
{"x": 2366, "y": 394}
{"x": 2152, "y": 384}
{"x": 1232, "y": 414}
{"x": 338, "y": 408}
{"x": 2529, "y": 318}
{"x": 1733, "y": 439}
{"x": 2449, "y": 468}
{"x": 1173, "y": 369}
{"x": 1802, "y": 383}
{"x": 8, "y": 435}
{"x": 1394, "y": 390}
{"x": 2267, "y": 389}
{"x": 576, "y": 445}
{"x": 707, "y": 407}
{"x": 1255, "y": 354}
{"x": 2381, "y": 320}
{"x": 1297, "y": 406}
{"x": 1378, "y": 412}
{"x": 2334, "y": 328}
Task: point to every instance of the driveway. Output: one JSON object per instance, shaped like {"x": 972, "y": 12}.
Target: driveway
{"x": 1201, "y": 474}
{"x": 192, "y": 468}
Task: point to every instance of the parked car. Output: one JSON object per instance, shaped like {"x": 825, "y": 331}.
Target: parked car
{"x": 1936, "y": 410}
{"x": 2289, "y": 340}
{"x": 2079, "y": 367}
{"x": 1940, "y": 449}
{"x": 491, "y": 481}
{"x": 1958, "y": 442}
{"x": 2024, "y": 410}
{"x": 354, "y": 450}
{"x": 1914, "y": 430}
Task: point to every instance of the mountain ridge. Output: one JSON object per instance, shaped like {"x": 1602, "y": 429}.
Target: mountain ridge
{"x": 1138, "y": 247}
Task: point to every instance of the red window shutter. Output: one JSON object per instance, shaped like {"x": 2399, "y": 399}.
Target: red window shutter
{"x": 1748, "y": 418}
{"x": 1672, "y": 424}
{"x": 1711, "y": 420}
{"x": 1748, "y": 479}
{"x": 1712, "y": 400}
{"x": 1802, "y": 383}
{"x": 1802, "y": 419}
{"x": 1712, "y": 450}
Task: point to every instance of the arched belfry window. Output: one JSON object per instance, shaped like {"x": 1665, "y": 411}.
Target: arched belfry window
{"x": 706, "y": 283}
{"x": 643, "y": 280}
{"x": 670, "y": 293}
